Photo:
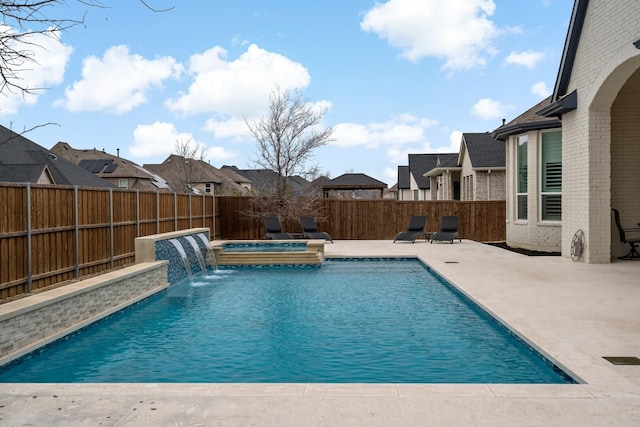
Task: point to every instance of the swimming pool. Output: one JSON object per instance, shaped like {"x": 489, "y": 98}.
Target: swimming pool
{"x": 354, "y": 320}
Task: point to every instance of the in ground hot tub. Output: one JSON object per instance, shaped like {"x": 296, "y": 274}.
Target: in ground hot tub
{"x": 268, "y": 252}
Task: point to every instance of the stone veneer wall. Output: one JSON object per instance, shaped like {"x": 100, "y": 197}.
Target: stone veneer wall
{"x": 37, "y": 320}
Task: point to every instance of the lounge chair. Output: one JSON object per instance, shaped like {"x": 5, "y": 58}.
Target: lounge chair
{"x": 414, "y": 230}
{"x": 310, "y": 229}
{"x": 448, "y": 230}
{"x": 633, "y": 242}
{"x": 274, "y": 229}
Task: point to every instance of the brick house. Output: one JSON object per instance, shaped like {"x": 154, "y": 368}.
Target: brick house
{"x": 413, "y": 184}
{"x": 597, "y": 97}
{"x": 477, "y": 172}
{"x": 534, "y": 181}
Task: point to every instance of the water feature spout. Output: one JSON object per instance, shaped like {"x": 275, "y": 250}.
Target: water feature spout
{"x": 185, "y": 260}
{"x": 196, "y": 249}
{"x": 210, "y": 253}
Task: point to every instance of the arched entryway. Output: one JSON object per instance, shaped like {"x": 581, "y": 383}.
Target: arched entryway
{"x": 625, "y": 158}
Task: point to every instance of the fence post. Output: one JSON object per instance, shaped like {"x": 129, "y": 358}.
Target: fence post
{"x": 175, "y": 211}
{"x": 137, "y": 213}
{"x": 76, "y": 231}
{"x": 190, "y": 212}
{"x": 111, "y": 227}
{"x": 29, "y": 259}
{"x": 157, "y": 212}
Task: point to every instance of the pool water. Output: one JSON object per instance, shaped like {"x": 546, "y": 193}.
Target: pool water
{"x": 362, "y": 321}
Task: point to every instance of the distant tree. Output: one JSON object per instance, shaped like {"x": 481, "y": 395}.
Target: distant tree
{"x": 21, "y": 20}
{"x": 286, "y": 137}
{"x": 190, "y": 154}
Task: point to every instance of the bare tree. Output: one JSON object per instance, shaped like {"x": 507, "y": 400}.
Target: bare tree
{"x": 190, "y": 154}
{"x": 21, "y": 20}
{"x": 286, "y": 137}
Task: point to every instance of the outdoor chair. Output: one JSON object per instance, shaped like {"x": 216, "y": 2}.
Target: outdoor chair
{"x": 633, "y": 242}
{"x": 310, "y": 229}
{"x": 448, "y": 230}
{"x": 414, "y": 230}
{"x": 274, "y": 229}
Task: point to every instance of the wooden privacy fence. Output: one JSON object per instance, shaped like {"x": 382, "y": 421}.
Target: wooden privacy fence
{"x": 483, "y": 221}
{"x": 50, "y": 235}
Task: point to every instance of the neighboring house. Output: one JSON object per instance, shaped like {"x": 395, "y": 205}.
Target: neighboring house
{"x": 264, "y": 180}
{"x": 597, "y": 97}
{"x": 445, "y": 178}
{"x": 412, "y": 182}
{"x": 482, "y": 159}
{"x": 22, "y": 160}
{"x": 534, "y": 180}
{"x": 353, "y": 186}
{"x": 196, "y": 176}
{"x": 121, "y": 172}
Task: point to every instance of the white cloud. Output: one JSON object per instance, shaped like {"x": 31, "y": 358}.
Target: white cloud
{"x": 454, "y": 140}
{"x": 158, "y": 139}
{"x": 402, "y": 129}
{"x": 117, "y": 82}
{"x": 460, "y": 32}
{"x": 227, "y": 127}
{"x": 236, "y": 127}
{"x": 527, "y": 59}
{"x": 240, "y": 87}
{"x": 489, "y": 109}
{"x": 219, "y": 155}
{"x": 541, "y": 90}
{"x": 50, "y": 58}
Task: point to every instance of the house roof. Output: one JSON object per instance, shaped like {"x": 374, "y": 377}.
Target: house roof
{"x": 404, "y": 178}
{"x": 484, "y": 151}
{"x": 561, "y": 102}
{"x": 529, "y": 120}
{"x": 266, "y": 179}
{"x": 444, "y": 162}
{"x": 181, "y": 174}
{"x": 108, "y": 166}
{"x": 353, "y": 181}
{"x": 18, "y": 152}
{"x": 420, "y": 164}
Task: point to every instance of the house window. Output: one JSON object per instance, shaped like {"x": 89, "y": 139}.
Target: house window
{"x": 551, "y": 176}
{"x": 521, "y": 184}
{"x": 207, "y": 187}
{"x": 416, "y": 195}
{"x": 122, "y": 183}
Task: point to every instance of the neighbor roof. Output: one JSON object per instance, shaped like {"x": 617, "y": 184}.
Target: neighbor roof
{"x": 180, "y": 172}
{"x": 484, "y": 151}
{"x": 353, "y": 181}
{"x": 18, "y": 152}
{"x": 265, "y": 179}
{"x": 420, "y": 164}
{"x": 404, "y": 178}
{"x": 111, "y": 167}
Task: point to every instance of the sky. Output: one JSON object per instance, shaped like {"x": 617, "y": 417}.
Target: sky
{"x": 395, "y": 77}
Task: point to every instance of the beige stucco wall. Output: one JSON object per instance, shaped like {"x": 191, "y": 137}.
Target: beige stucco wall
{"x": 532, "y": 233}
{"x": 605, "y": 59}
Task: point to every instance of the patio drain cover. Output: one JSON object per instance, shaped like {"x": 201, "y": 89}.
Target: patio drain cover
{"x": 451, "y": 262}
{"x": 629, "y": 360}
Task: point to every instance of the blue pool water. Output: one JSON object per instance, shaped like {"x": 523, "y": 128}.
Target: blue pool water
{"x": 383, "y": 321}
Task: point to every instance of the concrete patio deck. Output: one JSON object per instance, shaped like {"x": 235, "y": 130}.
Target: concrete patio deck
{"x": 573, "y": 313}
